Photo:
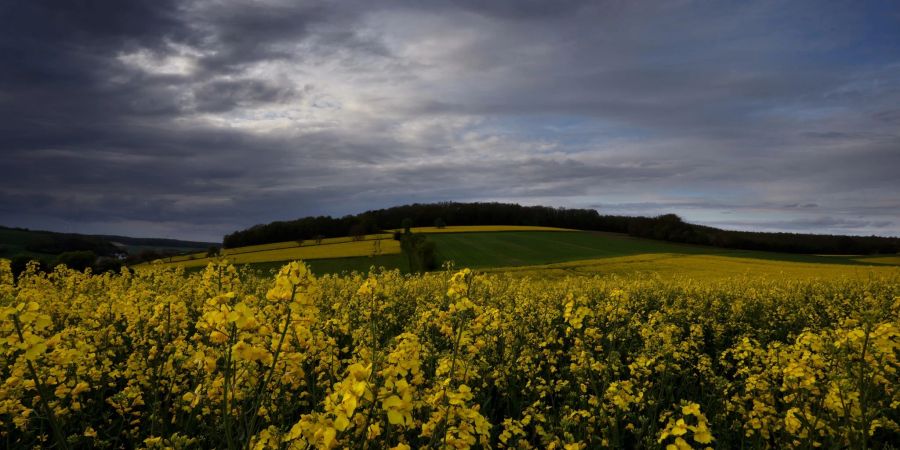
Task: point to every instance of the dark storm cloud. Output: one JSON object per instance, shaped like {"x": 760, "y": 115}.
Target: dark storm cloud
{"x": 219, "y": 96}
{"x": 194, "y": 118}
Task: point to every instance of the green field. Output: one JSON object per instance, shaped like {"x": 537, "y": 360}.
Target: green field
{"x": 481, "y": 250}
{"x": 484, "y": 250}
{"x": 13, "y": 242}
{"x": 549, "y": 253}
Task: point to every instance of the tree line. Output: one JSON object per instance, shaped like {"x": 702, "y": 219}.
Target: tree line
{"x": 101, "y": 253}
{"x": 668, "y": 227}
{"x": 57, "y": 243}
{"x": 672, "y": 228}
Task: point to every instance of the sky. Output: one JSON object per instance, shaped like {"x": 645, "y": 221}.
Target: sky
{"x": 197, "y": 118}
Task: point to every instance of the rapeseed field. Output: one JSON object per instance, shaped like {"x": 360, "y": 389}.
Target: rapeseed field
{"x": 454, "y": 359}
{"x": 287, "y": 251}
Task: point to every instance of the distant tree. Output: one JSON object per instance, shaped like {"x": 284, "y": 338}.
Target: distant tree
{"x": 406, "y": 224}
{"x": 439, "y": 223}
{"x": 358, "y": 232}
{"x": 319, "y": 239}
{"x": 212, "y": 252}
{"x": 144, "y": 256}
{"x": 408, "y": 245}
{"x": 79, "y": 260}
{"x": 103, "y": 265}
{"x": 420, "y": 252}
{"x": 56, "y": 243}
{"x": 428, "y": 256}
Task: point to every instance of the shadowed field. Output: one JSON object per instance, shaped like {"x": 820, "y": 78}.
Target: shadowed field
{"x": 555, "y": 253}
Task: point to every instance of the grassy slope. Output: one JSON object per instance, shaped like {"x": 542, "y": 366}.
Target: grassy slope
{"x": 567, "y": 253}
{"x": 13, "y": 242}
{"x": 576, "y": 253}
{"x": 610, "y": 253}
{"x": 269, "y": 256}
{"x": 529, "y": 248}
{"x": 479, "y": 250}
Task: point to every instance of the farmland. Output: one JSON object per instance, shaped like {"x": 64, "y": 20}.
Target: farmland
{"x": 543, "y": 251}
{"x": 287, "y": 251}
{"x": 223, "y": 359}
{"x": 17, "y": 243}
{"x": 557, "y": 339}
{"x": 449, "y": 225}
{"x": 587, "y": 253}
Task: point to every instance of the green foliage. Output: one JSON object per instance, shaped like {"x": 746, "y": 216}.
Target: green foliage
{"x": 358, "y": 231}
{"x": 421, "y": 253}
{"x": 104, "y": 265}
{"x": 79, "y": 260}
{"x": 56, "y": 243}
{"x": 406, "y": 224}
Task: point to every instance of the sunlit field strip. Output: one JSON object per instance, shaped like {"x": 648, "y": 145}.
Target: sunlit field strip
{"x": 335, "y": 250}
{"x": 293, "y": 244}
{"x": 700, "y": 267}
{"x": 275, "y": 246}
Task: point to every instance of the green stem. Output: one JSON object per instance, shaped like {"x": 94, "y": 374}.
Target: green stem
{"x": 863, "y": 391}
{"x": 444, "y": 419}
{"x": 42, "y": 391}
{"x": 261, "y": 389}
{"x": 226, "y": 403}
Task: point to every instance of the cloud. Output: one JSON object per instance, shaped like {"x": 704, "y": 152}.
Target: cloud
{"x": 825, "y": 224}
{"x": 192, "y": 119}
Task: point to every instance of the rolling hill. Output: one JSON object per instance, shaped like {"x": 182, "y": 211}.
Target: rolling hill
{"x": 46, "y": 244}
{"x": 551, "y": 251}
{"x": 333, "y": 248}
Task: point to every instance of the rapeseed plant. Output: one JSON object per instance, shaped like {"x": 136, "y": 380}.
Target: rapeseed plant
{"x": 225, "y": 358}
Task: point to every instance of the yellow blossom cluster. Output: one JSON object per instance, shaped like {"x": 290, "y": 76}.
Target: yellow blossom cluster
{"x": 229, "y": 358}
